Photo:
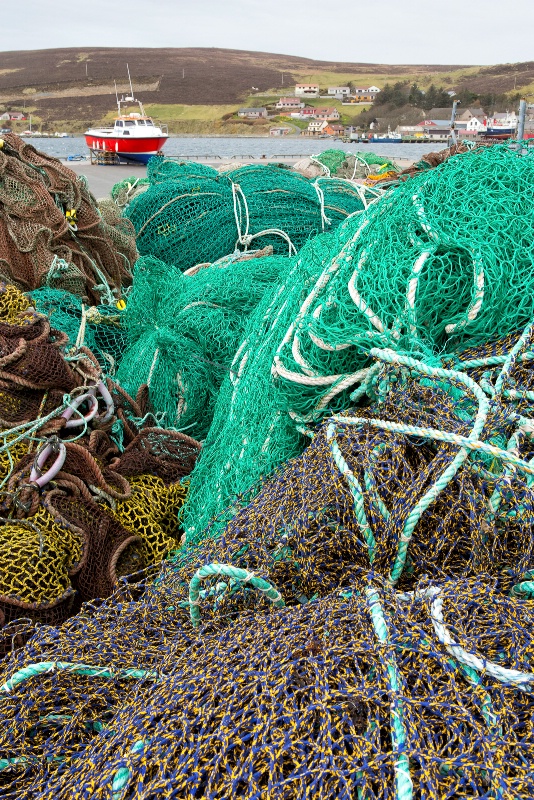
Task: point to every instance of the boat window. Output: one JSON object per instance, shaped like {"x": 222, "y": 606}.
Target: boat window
{"x": 126, "y": 133}
{"x": 118, "y": 123}
{"x": 140, "y": 122}
{"x": 130, "y": 123}
{"x": 149, "y": 122}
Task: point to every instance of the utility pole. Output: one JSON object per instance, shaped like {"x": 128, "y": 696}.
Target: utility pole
{"x": 521, "y": 121}
{"x": 453, "y": 122}
{"x": 183, "y": 73}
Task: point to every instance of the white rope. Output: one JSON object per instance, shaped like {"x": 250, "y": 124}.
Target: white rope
{"x": 81, "y": 331}
{"x": 247, "y": 238}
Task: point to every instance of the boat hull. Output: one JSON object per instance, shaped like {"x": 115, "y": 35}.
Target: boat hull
{"x": 134, "y": 149}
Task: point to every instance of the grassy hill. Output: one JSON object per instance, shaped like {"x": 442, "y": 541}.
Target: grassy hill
{"x": 192, "y": 89}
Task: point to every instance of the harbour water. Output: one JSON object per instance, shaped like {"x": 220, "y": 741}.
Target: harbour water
{"x": 246, "y": 148}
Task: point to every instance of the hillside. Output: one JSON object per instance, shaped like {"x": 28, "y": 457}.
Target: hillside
{"x": 75, "y": 87}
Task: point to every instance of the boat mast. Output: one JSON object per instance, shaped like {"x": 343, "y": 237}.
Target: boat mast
{"x": 132, "y": 92}
{"x": 117, "y": 96}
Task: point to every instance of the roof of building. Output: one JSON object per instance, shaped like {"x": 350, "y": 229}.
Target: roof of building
{"x": 250, "y": 110}
{"x": 473, "y": 112}
{"x": 302, "y": 85}
{"x": 289, "y": 100}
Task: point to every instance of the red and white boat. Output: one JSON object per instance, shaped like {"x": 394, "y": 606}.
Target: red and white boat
{"x": 134, "y": 137}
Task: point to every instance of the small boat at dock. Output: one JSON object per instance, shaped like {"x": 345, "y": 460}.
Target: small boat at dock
{"x": 133, "y": 137}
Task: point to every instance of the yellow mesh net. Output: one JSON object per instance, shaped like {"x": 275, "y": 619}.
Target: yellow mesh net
{"x": 35, "y": 558}
{"x": 12, "y": 303}
{"x": 152, "y": 513}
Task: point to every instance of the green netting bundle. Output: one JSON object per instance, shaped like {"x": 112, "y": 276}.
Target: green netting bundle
{"x": 185, "y": 220}
{"x": 97, "y": 327}
{"x": 252, "y": 432}
{"x": 191, "y": 214}
{"x": 123, "y": 192}
{"x": 160, "y": 170}
{"x": 441, "y": 263}
{"x": 280, "y": 206}
{"x": 183, "y": 331}
{"x": 337, "y": 163}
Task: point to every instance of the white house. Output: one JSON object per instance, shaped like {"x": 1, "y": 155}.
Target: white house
{"x": 476, "y": 125}
{"x": 329, "y": 114}
{"x": 252, "y": 113}
{"x": 307, "y": 90}
{"x": 360, "y": 94}
{"x": 286, "y": 103}
{"x": 317, "y": 126}
{"x": 339, "y": 91}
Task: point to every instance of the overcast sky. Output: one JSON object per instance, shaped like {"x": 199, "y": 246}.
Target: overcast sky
{"x": 379, "y": 31}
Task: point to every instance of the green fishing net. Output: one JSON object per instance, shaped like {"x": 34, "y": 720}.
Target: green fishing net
{"x": 192, "y": 214}
{"x": 122, "y": 193}
{"x": 101, "y": 330}
{"x": 440, "y": 263}
{"x": 183, "y": 331}
{"x": 337, "y": 163}
{"x": 252, "y": 433}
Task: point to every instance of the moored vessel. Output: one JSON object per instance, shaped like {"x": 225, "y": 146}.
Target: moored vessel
{"x": 133, "y": 136}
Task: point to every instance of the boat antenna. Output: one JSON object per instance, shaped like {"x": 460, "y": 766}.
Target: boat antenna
{"x": 129, "y": 78}
{"x": 117, "y": 96}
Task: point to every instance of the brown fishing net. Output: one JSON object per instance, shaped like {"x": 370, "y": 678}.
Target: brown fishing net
{"x": 69, "y": 538}
{"x": 51, "y": 231}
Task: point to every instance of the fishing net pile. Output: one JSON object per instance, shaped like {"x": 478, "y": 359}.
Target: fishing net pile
{"x": 436, "y": 265}
{"x": 273, "y": 660}
{"x": 336, "y": 163}
{"x": 89, "y": 490}
{"x": 100, "y": 328}
{"x": 351, "y": 612}
{"x": 192, "y": 214}
{"x": 184, "y": 329}
{"x": 123, "y": 192}
{"x": 51, "y": 230}
{"x": 364, "y": 693}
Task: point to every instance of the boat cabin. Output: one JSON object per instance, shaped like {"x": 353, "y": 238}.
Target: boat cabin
{"x": 132, "y": 125}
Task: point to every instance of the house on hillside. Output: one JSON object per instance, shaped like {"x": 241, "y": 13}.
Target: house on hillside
{"x": 17, "y": 115}
{"x": 334, "y": 130}
{"x": 4, "y": 116}
{"x": 307, "y": 90}
{"x": 340, "y": 92}
{"x": 289, "y": 104}
{"x": 361, "y": 95}
{"x": 317, "y": 127}
{"x": 308, "y": 112}
{"x": 252, "y": 113}
{"x": 328, "y": 114}
{"x": 279, "y": 131}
